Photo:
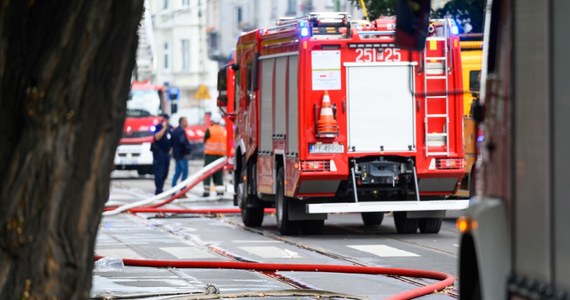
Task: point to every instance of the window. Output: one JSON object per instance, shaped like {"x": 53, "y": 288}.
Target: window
{"x": 237, "y": 95}
{"x": 239, "y": 16}
{"x": 185, "y": 3}
{"x": 185, "y": 55}
{"x": 165, "y": 4}
{"x": 166, "y": 56}
{"x": 249, "y": 77}
{"x": 474, "y": 81}
{"x": 213, "y": 39}
{"x": 223, "y": 86}
{"x": 291, "y": 8}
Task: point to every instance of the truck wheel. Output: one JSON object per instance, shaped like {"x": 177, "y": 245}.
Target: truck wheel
{"x": 284, "y": 225}
{"x": 404, "y": 224}
{"x": 372, "y": 218}
{"x": 144, "y": 170}
{"x": 430, "y": 225}
{"x": 312, "y": 226}
{"x": 250, "y": 206}
{"x": 252, "y": 216}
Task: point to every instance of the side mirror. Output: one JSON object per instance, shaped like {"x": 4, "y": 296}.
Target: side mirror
{"x": 412, "y": 21}
{"x": 222, "y": 100}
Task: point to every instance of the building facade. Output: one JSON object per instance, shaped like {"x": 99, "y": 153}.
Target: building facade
{"x": 227, "y": 19}
{"x": 180, "y": 49}
{"x": 184, "y": 42}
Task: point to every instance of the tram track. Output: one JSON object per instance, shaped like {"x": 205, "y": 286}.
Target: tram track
{"x": 329, "y": 253}
{"x": 222, "y": 252}
{"x": 290, "y": 241}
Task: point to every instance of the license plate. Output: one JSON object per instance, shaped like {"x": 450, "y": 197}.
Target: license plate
{"x": 326, "y": 148}
{"x": 127, "y": 161}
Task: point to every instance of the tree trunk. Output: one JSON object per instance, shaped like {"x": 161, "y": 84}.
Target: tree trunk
{"x": 65, "y": 68}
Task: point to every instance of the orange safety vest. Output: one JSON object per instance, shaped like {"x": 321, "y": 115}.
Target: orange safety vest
{"x": 216, "y": 143}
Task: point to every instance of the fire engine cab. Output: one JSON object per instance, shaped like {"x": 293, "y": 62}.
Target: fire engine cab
{"x": 145, "y": 105}
{"x": 331, "y": 117}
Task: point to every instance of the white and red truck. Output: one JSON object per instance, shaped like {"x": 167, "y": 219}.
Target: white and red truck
{"x": 334, "y": 118}
{"x": 145, "y": 106}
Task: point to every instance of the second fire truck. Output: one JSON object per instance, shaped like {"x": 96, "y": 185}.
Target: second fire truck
{"x": 331, "y": 117}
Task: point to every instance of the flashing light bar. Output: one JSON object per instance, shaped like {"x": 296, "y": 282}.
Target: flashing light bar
{"x": 304, "y": 32}
{"x": 454, "y": 29}
{"x": 371, "y": 45}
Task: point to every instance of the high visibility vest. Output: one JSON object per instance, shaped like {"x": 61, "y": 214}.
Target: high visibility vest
{"x": 216, "y": 143}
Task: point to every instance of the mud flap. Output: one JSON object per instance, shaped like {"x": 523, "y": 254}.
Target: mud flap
{"x": 298, "y": 211}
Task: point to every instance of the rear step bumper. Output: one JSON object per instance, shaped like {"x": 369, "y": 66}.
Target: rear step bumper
{"x": 386, "y": 206}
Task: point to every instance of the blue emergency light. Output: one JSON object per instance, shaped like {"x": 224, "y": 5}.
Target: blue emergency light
{"x": 454, "y": 27}
{"x": 304, "y": 29}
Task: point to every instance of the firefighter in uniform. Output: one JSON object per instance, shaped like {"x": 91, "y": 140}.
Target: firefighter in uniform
{"x": 214, "y": 148}
{"x": 161, "y": 147}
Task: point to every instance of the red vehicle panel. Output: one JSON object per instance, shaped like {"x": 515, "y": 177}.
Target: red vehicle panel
{"x": 328, "y": 113}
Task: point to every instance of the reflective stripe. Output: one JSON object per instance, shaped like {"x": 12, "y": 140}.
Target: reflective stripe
{"x": 216, "y": 143}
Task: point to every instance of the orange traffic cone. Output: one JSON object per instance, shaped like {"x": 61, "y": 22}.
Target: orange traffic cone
{"x": 327, "y": 127}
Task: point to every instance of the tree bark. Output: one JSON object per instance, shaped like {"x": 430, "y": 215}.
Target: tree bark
{"x": 65, "y": 68}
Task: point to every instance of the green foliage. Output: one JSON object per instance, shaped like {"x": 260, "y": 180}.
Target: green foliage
{"x": 377, "y": 8}
{"x": 463, "y": 11}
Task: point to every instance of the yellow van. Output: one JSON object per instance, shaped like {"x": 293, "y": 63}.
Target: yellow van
{"x": 471, "y": 57}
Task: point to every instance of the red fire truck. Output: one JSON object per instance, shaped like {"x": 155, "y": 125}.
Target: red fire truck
{"x": 226, "y": 102}
{"x": 333, "y": 118}
{"x": 144, "y": 107}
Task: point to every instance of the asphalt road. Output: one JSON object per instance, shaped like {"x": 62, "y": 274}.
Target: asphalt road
{"x": 345, "y": 241}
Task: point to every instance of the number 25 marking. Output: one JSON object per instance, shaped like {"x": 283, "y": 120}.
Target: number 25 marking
{"x": 372, "y": 55}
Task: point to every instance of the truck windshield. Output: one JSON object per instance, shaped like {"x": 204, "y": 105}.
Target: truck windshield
{"x": 143, "y": 103}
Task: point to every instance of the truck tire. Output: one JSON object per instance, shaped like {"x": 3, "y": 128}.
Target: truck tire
{"x": 312, "y": 226}
{"x": 250, "y": 206}
{"x": 284, "y": 225}
{"x": 405, "y": 224}
{"x": 251, "y": 210}
{"x": 372, "y": 218}
{"x": 252, "y": 216}
{"x": 144, "y": 170}
{"x": 430, "y": 225}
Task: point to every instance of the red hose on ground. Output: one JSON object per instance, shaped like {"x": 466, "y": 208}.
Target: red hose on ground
{"x": 230, "y": 210}
{"x": 445, "y": 279}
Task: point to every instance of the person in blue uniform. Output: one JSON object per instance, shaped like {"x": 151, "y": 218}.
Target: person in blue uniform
{"x": 180, "y": 150}
{"x": 161, "y": 147}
